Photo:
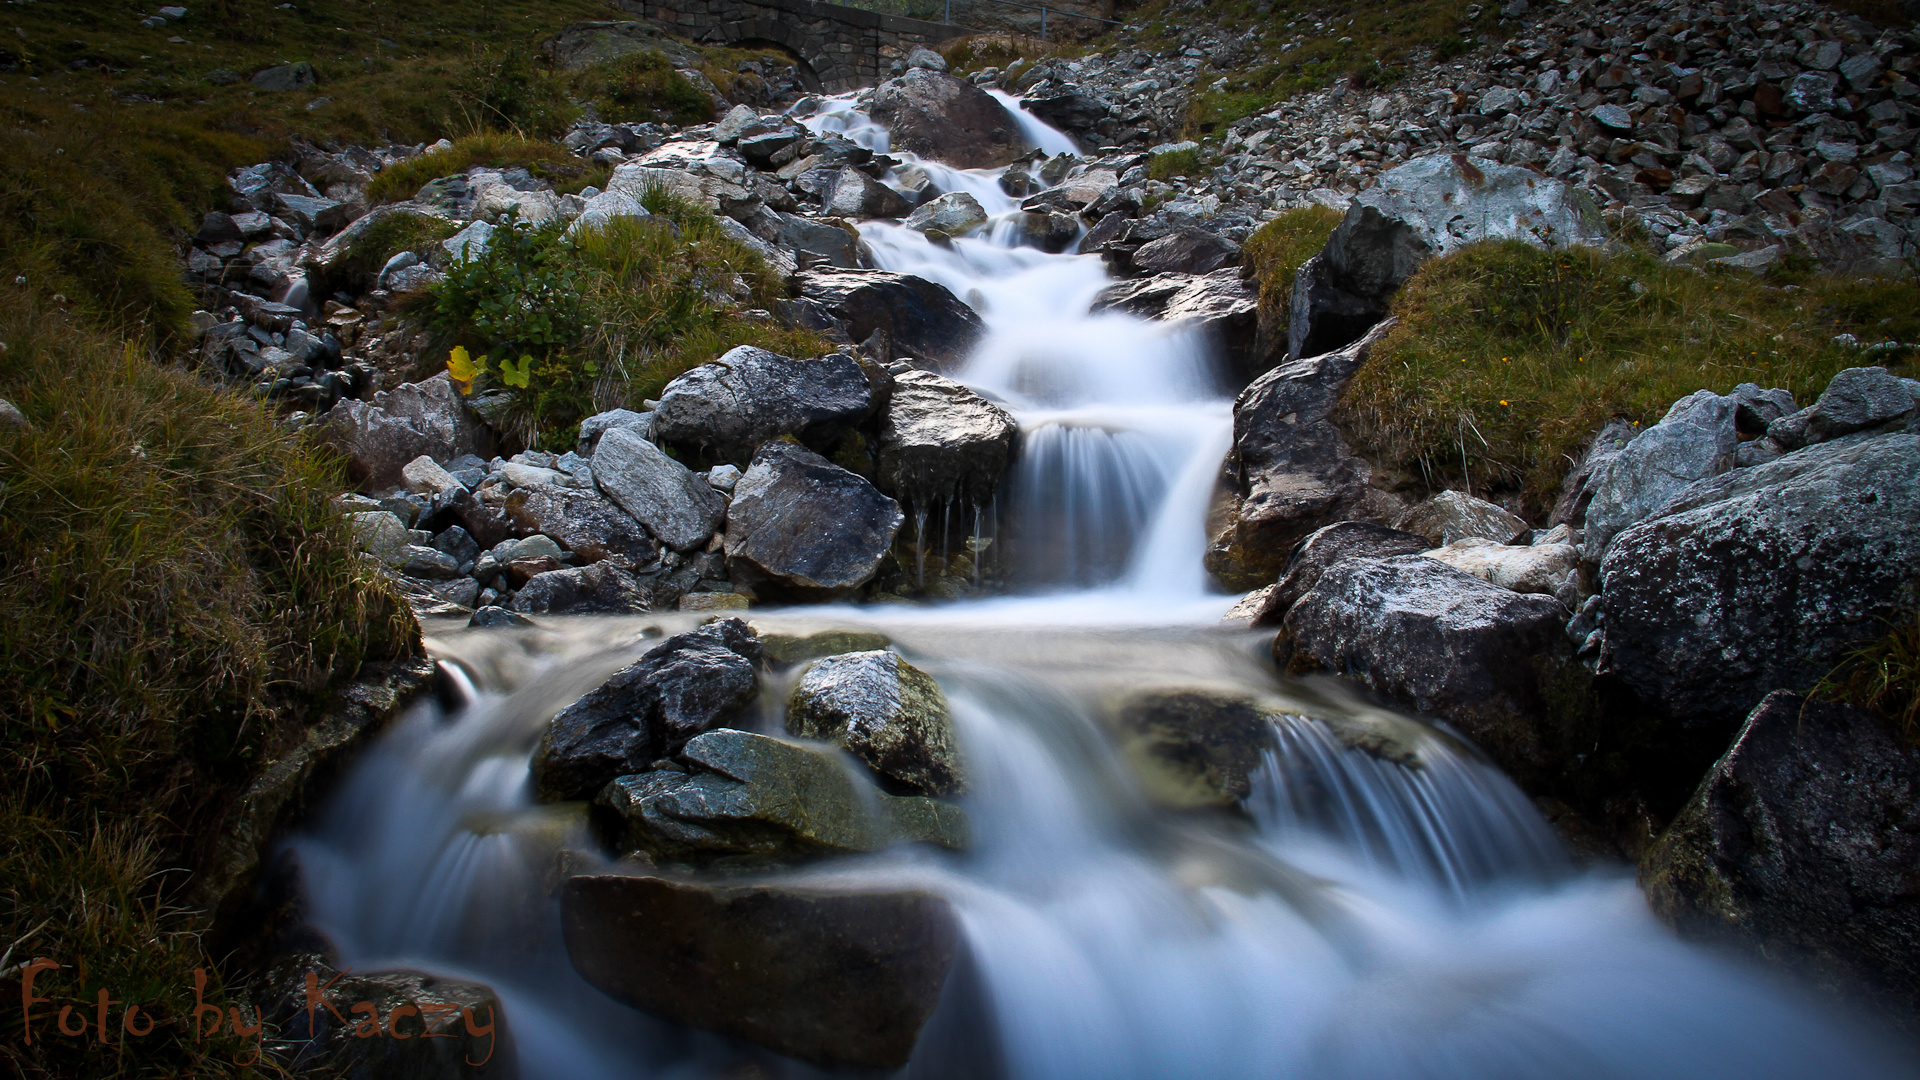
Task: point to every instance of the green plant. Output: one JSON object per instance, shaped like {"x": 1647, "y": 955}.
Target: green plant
{"x": 511, "y": 90}
{"x": 1883, "y": 674}
{"x": 392, "y": 234}
{"x": 544, "y": 159}
{"x": 642, "y": 87}
{"x": 1171, "y": 163}
{"x": 1275, "y": 251}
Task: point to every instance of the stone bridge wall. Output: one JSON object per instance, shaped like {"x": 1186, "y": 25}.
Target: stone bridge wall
{"x": 843, "y": 48}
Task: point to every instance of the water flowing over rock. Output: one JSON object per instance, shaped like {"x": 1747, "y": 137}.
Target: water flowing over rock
{"x": 1427, "y": 207}
{"x": 837, "y": 978}
{"x": 727, "y": 408}
{"x": 1803, "y": 844}
{"x": 953, "y": 214}
{"x": 687, "y": 684}
{"x": 1291, "y": 470}
{"x": 677, "y": 507}
{"x": 921, "y": 319}
{"x": 380, "y": 437}
{"x": 938, "y": 116}
{"x": 1221, "y": 305}
{"x": 942, "y": 443}
{"x": 1193, "y": 747}
{"x": 1455, "y": 515}
{"x": 887, "y": 713}
{"x": 1695, "y": 440}
{"x": 1759, "y": 579}
{"x": 749, "y": 799}
{"x": 803, "y": 525}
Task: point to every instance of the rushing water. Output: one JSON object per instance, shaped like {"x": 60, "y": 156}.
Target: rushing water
{"x": 1370, "y": 920}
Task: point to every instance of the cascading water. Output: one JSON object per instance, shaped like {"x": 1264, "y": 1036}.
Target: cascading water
{"x": 1380, "y": 917}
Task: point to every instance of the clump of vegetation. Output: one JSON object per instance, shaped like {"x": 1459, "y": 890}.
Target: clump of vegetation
{"x": 176, "y": 597}
{"x": 512, "y": 90}
{"x": 1507, "y": 356}
{"x": 1276, "y": 251}
{"x": 396, "y": 231}
{"x": 642, "y": 88}
{"x": 1171, "y": 163}
{"x": 977, "y": 52}
{"x": 1884, "y": 675}
{"x": 547, "y": 160}
{"x": 606, "y": 317}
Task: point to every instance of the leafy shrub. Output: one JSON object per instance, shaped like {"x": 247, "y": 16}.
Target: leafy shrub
{"x": 643, "y": 87}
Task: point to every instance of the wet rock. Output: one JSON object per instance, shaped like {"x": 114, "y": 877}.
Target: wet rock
{"x": 1760, "y": 579}
{"x": 953, "y": 214}
{"x": 1443, "y": 642}
{"x": 727, "y": 408}
{"x": 1543, "y": 568}
{"x": 802, "y": 525}
{"x": 854, "y": 194}
{"x": 921, "y": 319}
{"x": 887, "y": 713}
{"x": 938, "y": 116}
{"x": 1187, "y": 251}
{"x": 941, "y": 443}
{"x": 1221, "y": 305}
{"x": 585, "y": 522}
{"x": 1290, "y": 470}
{"x": 380, "y": 437}
{"x": 428, "y": 1027}
{"x": 795, "y": 646}
{"x": 1695, "y": 440}
{"x": 676, "y": 505}
{"x": 498, "y": 618}
{"x": 1455, "y": 515}
{"x": 603, "y": 588}
{"x": 1803, "y": 845}
{"x": 749, "y": 799}
{"x": 836, "y": 978}
{"x": 1427, "y": 207}
{"x": 1193, "y": 747}
{"x": 1329, "y": 547}
{"x": 687, "y": 684}
{"x": 1049, "y": 231}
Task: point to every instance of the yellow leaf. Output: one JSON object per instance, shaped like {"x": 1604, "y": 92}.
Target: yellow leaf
{"x": 461, "y": 369}
{"x": 519, "y": 376}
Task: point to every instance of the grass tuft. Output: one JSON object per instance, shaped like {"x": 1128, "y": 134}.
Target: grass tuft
{"x": 1883, "y": 675}
{"x": 642, "y": 88}
{"x": 544, "y": 159}
{"x": 1275, "y": 251}
{"x": 1171, "y": 163}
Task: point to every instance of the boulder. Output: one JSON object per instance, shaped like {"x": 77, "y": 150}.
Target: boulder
{"x": 1544, "y": 568}
{"x": 941, "y": 443}
{"x": 1050, "y": 231}
{"x": 687, "y": 684}
{"x": 379, "y": 437}
{"x": 834, "y": 243}
{"x": 1329, "y": 547}
{"x": 1221, "y": 305}
{"x": 1193, "y": 747}
{"x": 854, "y": 194}
{"x": 1440, "y": 641}
{"x": 1576, "y": 492}
{"x": 887, "y": 713}
{"x": 430, "y": 1028}
{"x": 1760, "y": 579}
{"x": 1855, "y": 399}
{"x": 1290, "y": 471}
{"x": 802, "y": 525}
{"x": 284, "y": 77}
{"x": 727, "y": 408}
{"x": 1455, "y": 515}
{"x": 796, "y": 646}
{"x": 1695, "y": 440}
{"x": 1803, "y": 845}
{"x": 600, "y": 423}
{"x": 748, "y": 799}
{"x": 600, "y": 589}
{"x": 1187, "y": 251}
{"x": 839, "y": 978}
{"x": 1427, "y": 207}
{"x": 937, "y": 116}
{"x": 921, "y": 319}
{"x": 953, "y": 214}
{"x": 674, "y": 503}
{"x": 584, "y": 522}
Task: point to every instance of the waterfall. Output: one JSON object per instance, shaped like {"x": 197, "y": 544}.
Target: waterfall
{"x": 1371, "y": 915}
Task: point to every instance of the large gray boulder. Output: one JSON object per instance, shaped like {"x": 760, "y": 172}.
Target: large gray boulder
{"x": 935, "y": 115}
{"x": 887, "y": 713}
{"x": 801, "y": 525}
{"x": 1803, "y": 845}
{"x": 381, "y": 436}
{"x": 921, "y": 319}
{"x": 1855, "y": 399}
{"x": 687, "y": 684}
{"x": 1187, "y": 251}
{"x": 839, "y": 978}
{"x": 1695, "y": 440}
{"x": 1443, "y": 642}
{"x": 854, "y": 194}
{"x": 727, "y": 408}
{"x": 1221, "y": 305}
{"x": 1760, "y": 579}
{"x": 584, "y": 522}
{"x": 748, "y": 799}
{"x": 1427, "y": 207}
{"x": 1326, "y": 548}
{"x": 941, "y": 443}
{"x": 678, "y": 507}
{"x": 953, "y": 214}
{"x": 1290, "y": 471}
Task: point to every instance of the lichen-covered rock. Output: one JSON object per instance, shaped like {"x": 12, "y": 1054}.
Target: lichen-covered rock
{"x": 799, "y": 523}
{"x": 380, "y": 437}
{"x": 853, "y": 194}
{"x": 954, "y": 214}
{"x": 1695, "y": 440}
{"x": 887, "y": 713}
{"x": 678, "y": 507}
{"x": 793, "y": 646}
{"x": 1455, "y": 515}
{"x": 921, "y": 319}
{"x": 1803, "y": 845}
{"x": 1328, "y": 547}
{"x": 1855, "y": 399}
{"x": 687, "y": 684}
{"x": 935, "y": 115}
{"x": 727, "y": 408}
{"x": 839, "y": 978}
{"x": 941, "y": 443}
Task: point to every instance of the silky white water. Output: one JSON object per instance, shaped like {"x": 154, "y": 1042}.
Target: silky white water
{"x": 1363, "y": 920}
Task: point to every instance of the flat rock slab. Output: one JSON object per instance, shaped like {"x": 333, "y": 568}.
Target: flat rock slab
{"x": 801, "y": 524}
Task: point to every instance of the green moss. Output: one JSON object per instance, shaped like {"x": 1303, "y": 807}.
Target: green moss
{"x": 1275, "y": 251}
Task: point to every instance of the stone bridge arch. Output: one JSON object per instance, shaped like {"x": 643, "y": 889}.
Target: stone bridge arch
{"x": 842, "y": 48}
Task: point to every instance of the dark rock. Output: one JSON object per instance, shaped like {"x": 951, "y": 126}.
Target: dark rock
{"x": 1755, "y": 408}
{"x": 1187, "y": 251}
{"x": 885, "y": 711}
{"x": 727, "y": 408}
{"x": 381, "y": 436}
{"x": 922, "y": 319}
{"x": 942, "y": 443}
{"x": 1193, "y": 747}
{"x": 1803, "y": 845}
{"x": 833, "y": 243}
{"x": 498, "y": 618}
{"x": 1442, "y": 642}
{"x": 1221, "y": 305}
{"x": 285, "y": 77}
{"x": 218, "y": 228}
{"x": 603, "y": 588}
{"x": 802, "y": 525}
{"x": 675, "y": 504}
{"x": 1854, "y": 400}
{"x": 840, "y": 979}
{"x": 1071, "y": 110}
{"x": 1047, "y": 230}
{"x": 424, "y": 1026}
{"x": 938, "y": 116}
{"x": 792, "y": 647}
{"x": 585, "y": 522}
{"x": 1326, "y": 548}
{"x": 1290, "y": 470}
{"x": 854, "y": 194}
{"x": 1760, "y": 579}
{"x": 687, "y": 684}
